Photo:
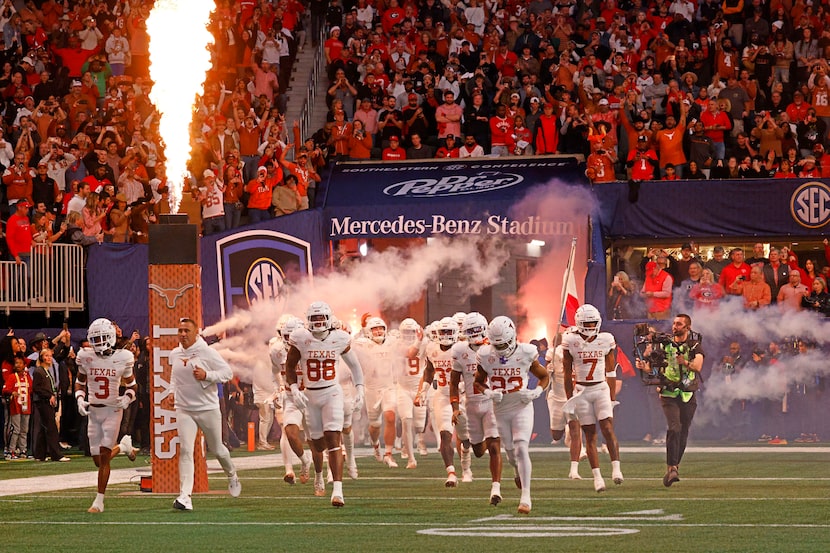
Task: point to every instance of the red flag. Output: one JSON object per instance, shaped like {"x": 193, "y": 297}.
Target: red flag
{"x": 571, "y": 298}
{"x": 625, "y": 363}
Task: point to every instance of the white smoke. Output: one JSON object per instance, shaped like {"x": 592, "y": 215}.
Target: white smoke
{"x": 382, "y": 280}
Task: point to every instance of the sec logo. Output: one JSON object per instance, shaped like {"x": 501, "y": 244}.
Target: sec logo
{"x": 264, "y": 281}
{"x": 810, "y": 205}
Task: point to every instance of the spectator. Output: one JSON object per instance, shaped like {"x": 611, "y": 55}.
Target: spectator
{"x": 756, "y": 292}
{"x": 791, "y": 295}
{"x": 734, "y": 274}
{"x": 819, "y": 299}
{"x": 419, "y": 150}
{"x": 657, "y": 291}
{"x": 470, "y": 148}
{"x": 259, "y": 196}
{"x": 286, "y": 198}
{"x": 45, "y": 400}
{"x": 394, "y": 152}
{"x": 449, "y": 149}
{"x": 622, "y": 297}
{"x": 449, "y": 115}
{"x": 18, "y": 389}
{"x": 19, "y": 233}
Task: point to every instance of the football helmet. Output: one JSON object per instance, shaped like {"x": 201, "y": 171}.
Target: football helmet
{"x": 474, "y": 328}
{"x": 458, "y": 317}
{"x": 409, "y": 330}
{"x": 447, "y": 331}
{"x": 284, "y": 318}
{"x": 376, "y": 330}
{"x": 502, "y": 335}
{"x": 318, "y": 318}
{"x": 101, "y": 336}
{"x": 290, "y": 326}
{"x": 588, "y": 320}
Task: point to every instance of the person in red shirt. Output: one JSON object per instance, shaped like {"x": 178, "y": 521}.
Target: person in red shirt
{"x": 715, "y": 122}
{"x": 501, "y": 131}
{"x": 259, "y": 196}
{"x": 642, "y": 160}
{"x": 394, "y": 152}
{"x": 18, "y": 388}
{"x": 449, "y": 149}
{"x": 733, "y": 274}
{"x": 600, "y": 162}
{"x": 797, "y": 110}
{"x": 808, "y": 169}
{"x": 19, "y": 232}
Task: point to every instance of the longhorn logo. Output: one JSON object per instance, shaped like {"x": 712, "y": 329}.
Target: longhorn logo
{"x": 170, "y": 295}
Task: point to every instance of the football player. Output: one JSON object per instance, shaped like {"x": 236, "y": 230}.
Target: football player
{"x": 502, "y": 374}
{"x": 413, "y": 418}
{"x": 439, "y": 369}
{"x": 588, "y": 357}
{"x": 101, "y": 369}
{"x": 378, "y": 354}
{"x": 317, "y": 349}
{"x": 290, "y": 417}
{"x": 559, "y": 425}
{"x": 475, "y": 413}
{"x": 196, "y": 372}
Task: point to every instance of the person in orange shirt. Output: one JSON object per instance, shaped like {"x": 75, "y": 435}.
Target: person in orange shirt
{"x": 259, "y": 196}
{"x": 600, "y": 162}
{"x": 670, "y": 141}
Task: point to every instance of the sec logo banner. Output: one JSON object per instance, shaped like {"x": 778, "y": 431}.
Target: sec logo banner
{"x": 810, "y": 205}
{"x": 255, "y": 266}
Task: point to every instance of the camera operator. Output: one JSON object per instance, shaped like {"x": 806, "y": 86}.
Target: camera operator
{"x": 680, "y": 359}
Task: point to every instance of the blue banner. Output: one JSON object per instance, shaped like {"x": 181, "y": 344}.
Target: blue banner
{"x": 735, "y": 208}
{"x": 447, "y": 197}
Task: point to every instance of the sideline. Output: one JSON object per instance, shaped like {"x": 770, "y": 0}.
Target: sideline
{"x": 59, "y": 482}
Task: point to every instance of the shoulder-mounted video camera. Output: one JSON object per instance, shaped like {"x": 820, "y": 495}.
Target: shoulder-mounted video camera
{"x": 649, "y": 348}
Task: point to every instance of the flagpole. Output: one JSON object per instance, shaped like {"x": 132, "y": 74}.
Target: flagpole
{"x": 568, "y": 271}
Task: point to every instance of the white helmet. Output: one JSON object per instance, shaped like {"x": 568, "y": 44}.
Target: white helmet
{"x": 409, "y": 330}
{"x": 290, "y": 326}
{"x": 474, "y": 328}
{"x": 376, "y": 330}
{"x": 101, "y": 336}
{"x": 284, "y": 318}
{"x": 318, "y": 318}
{"x": 502, "y": 335}
{"x": 588, "y": 320}
{"x": 458, "y": 317}
{"x": 447, "y": 331}
{"x": 431, "y": 332}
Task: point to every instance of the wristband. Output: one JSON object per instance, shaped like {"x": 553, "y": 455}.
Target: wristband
{"x": 612, "y": 373}
{"x": 80, "y": 394}
{"x": 131, "y": 393}
{"x": 453, "y": 399}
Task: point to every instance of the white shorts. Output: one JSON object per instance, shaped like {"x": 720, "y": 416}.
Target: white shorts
{"x": 102, "y": 428}
{"x": 441, "y": 413}
{"x": 291, "y": 414}
{"x": 481, "y": 421}
{"x": 590, "y": 403}
{"x": 514, "y": 419}
{"x": 557, "y": 414}
{"x": 408, "y": 410}
{"x": 325, "y": 411}
{"x": 461, "y": 429}
{"x": 378, "y": 401}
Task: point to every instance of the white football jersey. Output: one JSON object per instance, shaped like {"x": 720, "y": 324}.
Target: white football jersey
{"x": 589, "y": 357}
{"x": 556, "y": 370}
{"x": 465, "y": 361}
{"x": 507, "y": 374}
{"x": 278, "y": 354}
{"x": 104, "y": 374}
{"x": 379, "y": 361}
{"x": 412, "y": 369}
{"x": 319, "y": 359}
{"x": 442, "y": 362}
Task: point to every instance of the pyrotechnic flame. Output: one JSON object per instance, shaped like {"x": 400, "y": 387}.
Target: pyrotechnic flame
{"x": 179, "y": 59}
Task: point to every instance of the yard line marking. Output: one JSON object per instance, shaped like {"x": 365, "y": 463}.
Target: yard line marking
{"x": 527, "y": 531}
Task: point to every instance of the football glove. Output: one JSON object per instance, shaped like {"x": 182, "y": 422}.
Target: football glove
{"x": 495, "y": 395}
{"x": 300, "y": 399}
{"x": 83, "y": 406}
{"x": 359, "y": 397}
{"x": 529, "y": 395}
{"x": 122, "y": 402}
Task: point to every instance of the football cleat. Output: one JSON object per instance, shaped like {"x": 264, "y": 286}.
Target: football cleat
{"x": 412, "y": 464}
{"x": 389, "y": 461}
{"x": 353, "y": 471}
{"x": 618, "y": 477}
{"x": 467, "y": 475}
{"x": 96, "y": 508}
{"x": 126, "y": 445}
{"x": 305, "y": 470}
{"x": 183, "y": 503}
{"x": 452, "y": 480}
{"x": 319, "y": 485}
{"x": 378, "y": 456}
{"x": 234, "y": 486}
{"x": 574, "y": 476}
{"x": 671, "y": 477}
{"x": 289, "y": 478}
{"x": 599, "y": 484}
{"x": 337, "y": 501}
{"x": 524, "y": 509}
{"x": 404, "y": 455}
{"x": 495, "y": 499}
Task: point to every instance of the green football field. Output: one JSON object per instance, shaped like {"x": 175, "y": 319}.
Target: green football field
{"x": 754, "y": 499}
